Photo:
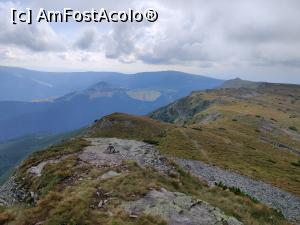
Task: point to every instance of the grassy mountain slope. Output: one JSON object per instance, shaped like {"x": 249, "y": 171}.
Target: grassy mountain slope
{"x": 252, "y": 131}
{"x": 70, "y": 189}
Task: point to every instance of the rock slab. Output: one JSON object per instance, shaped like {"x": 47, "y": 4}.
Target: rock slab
{"x": 178, "y": 209}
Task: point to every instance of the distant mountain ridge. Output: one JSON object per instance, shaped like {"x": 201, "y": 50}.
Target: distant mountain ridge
{"x": 18, "y": 84}
{"x": 136, "y": 94}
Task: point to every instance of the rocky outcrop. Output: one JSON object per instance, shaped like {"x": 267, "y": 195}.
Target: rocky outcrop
{"x": 207, "y": 118}
{"x": 175, "y": 208}
{"x": 178, "y": 209}
{"x": 37, "y": 169}
{"x": 11, "y": 193}
{"x": 109, "y": 174}
{"x": 272, "y": 196}
{"x": 144, "y": 154}
{"x": 183, "y": 109}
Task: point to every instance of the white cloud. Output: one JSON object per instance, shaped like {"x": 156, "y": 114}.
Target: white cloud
{"x": 213, "y": 37}
{"x": 88, "y": 40}
{"x": 36, "y": 37}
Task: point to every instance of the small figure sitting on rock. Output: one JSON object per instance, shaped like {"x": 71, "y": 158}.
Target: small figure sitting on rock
{"x": 111, "y": 149}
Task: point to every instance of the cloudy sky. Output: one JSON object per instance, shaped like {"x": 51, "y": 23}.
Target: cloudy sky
{"x": 251, "y": 39}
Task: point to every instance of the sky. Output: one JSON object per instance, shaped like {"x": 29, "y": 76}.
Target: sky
{"x": 250, "y": 39}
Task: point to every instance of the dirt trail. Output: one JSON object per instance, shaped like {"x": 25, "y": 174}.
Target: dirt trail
{"x": 196, "y": 145}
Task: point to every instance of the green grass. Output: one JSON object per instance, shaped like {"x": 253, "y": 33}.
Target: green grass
{"x": 236, "y": 191}
{"x": 52, "y": 175}
{"x": 236, "y": 147}
{"x": 296, "y": 163}
{"x": 65, "y": 199}
{"x": 151, "y": 142}
{"x": 234, "y": 139}
{"x": 231, "y": 144}
{"x": 127, "y": 126}
{"x": 12, "y": 152}
{"x": 293, "y": 128}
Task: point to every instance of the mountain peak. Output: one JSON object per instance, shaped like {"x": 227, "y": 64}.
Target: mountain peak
{"x": 239, "y": 83}
{"x": 101, "y": 86}
{"x": 237, "y": 79}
